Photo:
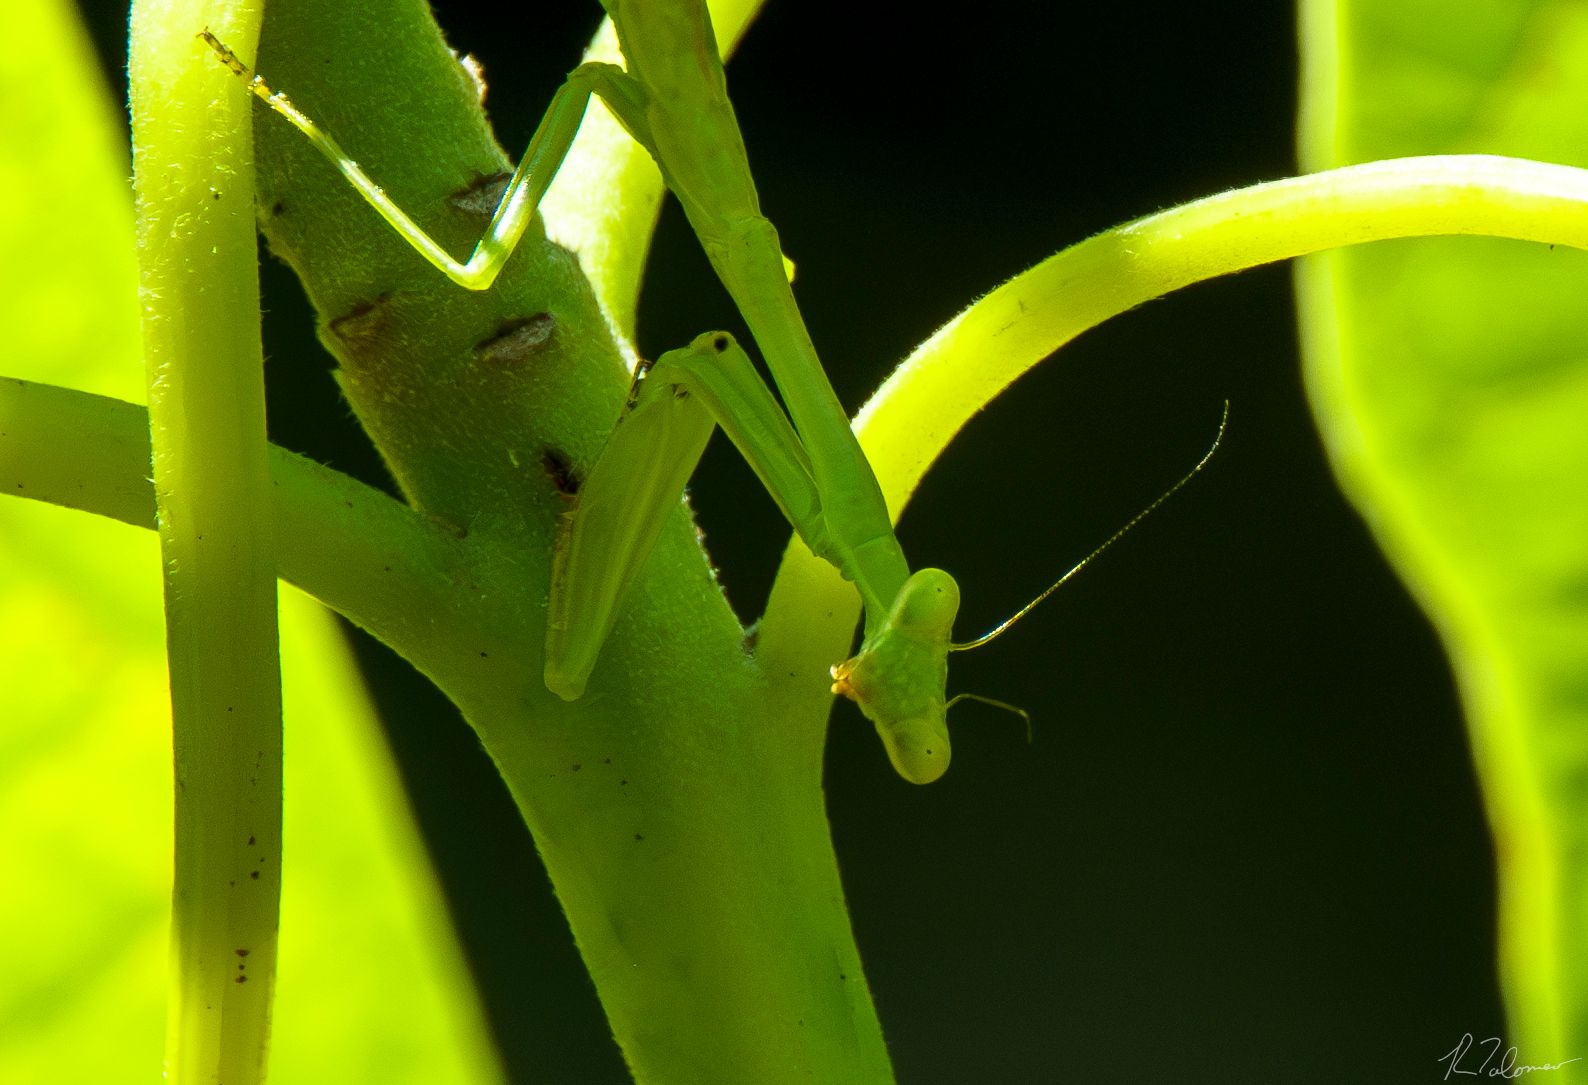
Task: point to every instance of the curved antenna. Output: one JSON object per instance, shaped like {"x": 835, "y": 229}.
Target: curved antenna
{"x": 1005, "y": 705}
{"x": 1002, "y": 626}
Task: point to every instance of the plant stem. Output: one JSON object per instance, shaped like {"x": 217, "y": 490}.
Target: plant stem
{"x": 193, "y": 182}
{"x": 687, "y": 846}
{"x": 983, "y": 350}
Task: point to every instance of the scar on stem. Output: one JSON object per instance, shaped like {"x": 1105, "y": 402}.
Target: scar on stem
{"x": 363, "y": 322}
{"x": 560, "y": 470}
{"x": 482, "y": 195}
{"x": 516, "y": 340}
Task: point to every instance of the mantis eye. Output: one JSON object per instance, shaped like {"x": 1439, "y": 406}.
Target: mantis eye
{"x": 926, "y": 606}
{"x": 917, "y": 747}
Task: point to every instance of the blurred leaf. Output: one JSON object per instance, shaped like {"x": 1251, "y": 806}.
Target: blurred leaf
{"x": 85, "y": 772}
{"x": 1451, "y": 383}
{"x": 69, "y": 276}
{"x": 372, "y": 984}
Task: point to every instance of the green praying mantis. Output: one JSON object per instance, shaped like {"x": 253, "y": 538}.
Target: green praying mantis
{"x": 672, "y": 100}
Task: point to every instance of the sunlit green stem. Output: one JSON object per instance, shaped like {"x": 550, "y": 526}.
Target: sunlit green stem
{"x": 976, "y": 355}
{"x": 194, "y": 186}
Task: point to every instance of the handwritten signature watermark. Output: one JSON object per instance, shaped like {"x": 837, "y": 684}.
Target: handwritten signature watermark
{"x": 1491, "y": 1059}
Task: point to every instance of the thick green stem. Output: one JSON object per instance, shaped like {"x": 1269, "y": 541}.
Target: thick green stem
{"x": 194, "y": 184}
{"x": 687, "y": 843}
{"x": 690, "y": 852}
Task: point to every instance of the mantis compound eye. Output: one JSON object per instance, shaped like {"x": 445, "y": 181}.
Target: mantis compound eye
{"x": 926, "y": 607}
{"x": 918, "y": 747}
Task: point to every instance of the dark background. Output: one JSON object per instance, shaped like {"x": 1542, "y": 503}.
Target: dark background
{"x": 1246, "y": 844}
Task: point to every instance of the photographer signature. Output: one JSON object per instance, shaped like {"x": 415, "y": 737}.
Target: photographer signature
{"x": 1507, "y": 1066}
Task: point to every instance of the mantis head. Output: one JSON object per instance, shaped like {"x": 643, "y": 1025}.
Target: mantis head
{"x": 899, "y": 675}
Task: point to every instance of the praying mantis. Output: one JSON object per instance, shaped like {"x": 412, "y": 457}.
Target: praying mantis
{"x": 671, "y": 98}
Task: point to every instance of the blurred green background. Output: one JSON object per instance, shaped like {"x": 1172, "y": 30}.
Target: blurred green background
{"x": 1246, "y": 843}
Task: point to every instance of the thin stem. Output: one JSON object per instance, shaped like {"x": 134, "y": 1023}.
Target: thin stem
{"x": 959, "y": 370}
{"x": 367, "y": 556}
{"x": 193, "y": 182}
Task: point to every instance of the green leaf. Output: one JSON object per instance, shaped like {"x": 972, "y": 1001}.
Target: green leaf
{"x": 85, "y": 763}
{"x": 1450, "y": 379}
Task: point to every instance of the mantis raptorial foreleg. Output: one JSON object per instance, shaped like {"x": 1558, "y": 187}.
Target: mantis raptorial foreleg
{"x": 672, "y": 99}
{"x": 547, "y": 149}
{"x": 640, "y": 476}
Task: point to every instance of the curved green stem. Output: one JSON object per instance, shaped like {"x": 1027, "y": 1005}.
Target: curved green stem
{"x": 956, "y": 372}
{"x": 959, "y": 370}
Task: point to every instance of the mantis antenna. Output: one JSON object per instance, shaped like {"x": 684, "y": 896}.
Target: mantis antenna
{"x": 1003, "y": 626}
{"x": 898, "y": 675}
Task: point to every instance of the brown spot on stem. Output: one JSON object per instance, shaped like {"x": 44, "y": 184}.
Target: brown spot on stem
{"x": 516, "y": 341}
{"x": 363, "y": 322}
{"x": 560, "y": 470}
{"x": 482, "y": 195}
